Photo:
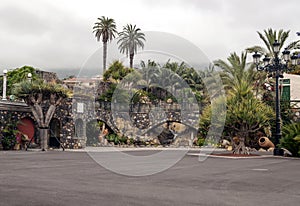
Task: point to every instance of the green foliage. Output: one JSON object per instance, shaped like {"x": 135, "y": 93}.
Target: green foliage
{"x": 8, "y": 133}
{"x": 246, "y": 114}
{"x": 26, "y": 90}
{"x": 291, "y": 138}
{"x": 268, "y": 37}
{"x": 236, "y": 70}
{"x": 116, "y": 72}
{"x": 244, "y": 111}
{"x": 155, "y": 82}
{"x": 130, "y": 39}
{"x": 116, "y": 139}
{"x": 105, "y": 27}
{"x": 18, "y": 75}
{"x": 107, "y": 95}
{"x": 218, "y": 113}
{"x": 200, "y": 142}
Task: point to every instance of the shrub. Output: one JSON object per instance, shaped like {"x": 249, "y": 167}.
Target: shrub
{"x": 200, "y": 142}
{"x": 116, "y": 139}
{"x": 291, "y": 138}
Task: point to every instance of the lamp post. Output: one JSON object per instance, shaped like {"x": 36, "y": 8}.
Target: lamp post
{"x": 29, "y": 77}
{"x": 4, "y": 84}
{"x": 275, "y": 67}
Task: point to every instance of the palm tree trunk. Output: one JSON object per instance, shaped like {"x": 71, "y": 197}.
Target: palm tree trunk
{"x": 131, "y": 60}
{"x": 104, "y": 55}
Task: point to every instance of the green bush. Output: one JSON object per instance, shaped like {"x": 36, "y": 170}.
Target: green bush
{"x": 116, "y": 139}
{"x": 200, "y": 142}
{"x": 291, "y": 138}
{"x": 8, "y": 135}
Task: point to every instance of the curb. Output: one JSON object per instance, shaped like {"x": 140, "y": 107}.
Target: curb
{"x": 229, "y": 157}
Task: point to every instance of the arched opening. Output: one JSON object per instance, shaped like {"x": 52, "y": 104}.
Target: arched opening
{"x": 96, "y": 131}
{"x": 26, "y": 127}
{"x": 93, "y": 128}
{"x": 54, "y": 139}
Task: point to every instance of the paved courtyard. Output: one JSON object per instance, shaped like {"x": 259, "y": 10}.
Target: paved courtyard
{"x": 73, "y": 178}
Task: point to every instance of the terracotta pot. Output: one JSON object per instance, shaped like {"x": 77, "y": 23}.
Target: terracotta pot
{"x": 266, "y": 143}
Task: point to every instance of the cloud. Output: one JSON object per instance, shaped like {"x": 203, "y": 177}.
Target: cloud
{"x": 58, "y": 33}
{"x": 14, "y": 20}
{"x": 46, "y": 39}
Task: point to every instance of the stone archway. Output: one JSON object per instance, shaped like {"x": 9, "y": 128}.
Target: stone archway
{"x": 55, "y": 130}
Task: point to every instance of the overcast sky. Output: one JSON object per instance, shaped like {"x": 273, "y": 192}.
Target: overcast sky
{"x": 58, "y": 33}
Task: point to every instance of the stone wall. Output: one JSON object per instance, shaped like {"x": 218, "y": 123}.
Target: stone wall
{"x": 15, "y": 111}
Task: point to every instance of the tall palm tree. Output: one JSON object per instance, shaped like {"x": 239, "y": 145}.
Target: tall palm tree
{"x": 269, "y": 36}
{"x": 131, "y": 38}
{"x": 105, "y": 27}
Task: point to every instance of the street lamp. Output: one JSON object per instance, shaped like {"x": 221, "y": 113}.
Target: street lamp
{"x": 29, "y": 77}
{"x": 4, "y": 84}
{"x": 275, "y": 67}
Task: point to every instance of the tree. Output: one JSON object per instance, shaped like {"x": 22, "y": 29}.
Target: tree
{"x": 105, "y": 27}
{"x": 236, "y": 70}
{"x": 130, "y": 39}
{"x": 113, "y": 76}
{"x": 269, "y": 37}
{"x": 17, "y": 75}
{"x": 116, "y": 72}
{"x": 42, "y": 98}
{"x": 245, "y": 113}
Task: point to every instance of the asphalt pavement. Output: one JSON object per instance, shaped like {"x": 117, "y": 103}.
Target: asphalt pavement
{"x": 74, "y": 178}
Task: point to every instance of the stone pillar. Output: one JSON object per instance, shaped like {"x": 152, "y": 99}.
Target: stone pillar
{"x": 4, "y": 84}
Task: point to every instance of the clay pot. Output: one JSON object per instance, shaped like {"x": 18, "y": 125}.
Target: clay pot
{"x": 265, "y": 142}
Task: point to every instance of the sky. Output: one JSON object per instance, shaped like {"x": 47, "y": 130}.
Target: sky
{"x": 57, "y": 34}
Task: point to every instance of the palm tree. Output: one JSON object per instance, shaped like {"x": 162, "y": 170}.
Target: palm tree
{"x": 237, "y": 70}
{"x": 269, "y": 37}
{"x": 131, "y": 38}
{"x": 105, "y": 27}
